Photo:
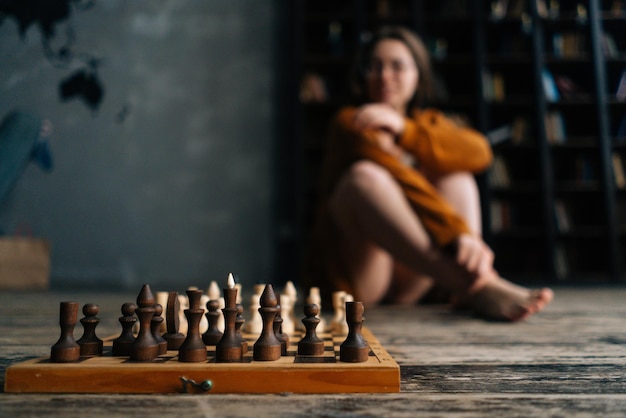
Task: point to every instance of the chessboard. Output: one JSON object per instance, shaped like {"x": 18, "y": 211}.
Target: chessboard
{"x": 289, "y": 374}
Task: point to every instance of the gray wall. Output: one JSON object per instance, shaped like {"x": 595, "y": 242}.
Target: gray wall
{"x": 178, "y": 192}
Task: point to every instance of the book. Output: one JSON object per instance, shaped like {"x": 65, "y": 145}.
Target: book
{"x": 549, "y": 86}
{"x": 555, "y": 127}
{"x": 620, "y": 92}
{"x": 561, "y": 263}
{"x": 499, "y": 173}
{"x": 561, "y": 216}
{"x": 519, "y": 130}
{"x": 498, "y": 135}
{"x": 618, "y": 171}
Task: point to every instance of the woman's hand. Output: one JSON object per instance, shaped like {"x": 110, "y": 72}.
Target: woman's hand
{"x": 475, "y": 257}
{"x": 379, "y": 116}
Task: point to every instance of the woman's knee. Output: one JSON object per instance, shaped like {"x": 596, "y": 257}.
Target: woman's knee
{"x": 367, "y": 175}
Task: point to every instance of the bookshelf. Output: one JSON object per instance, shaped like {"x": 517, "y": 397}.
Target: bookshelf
{"x": 540, "y": 78}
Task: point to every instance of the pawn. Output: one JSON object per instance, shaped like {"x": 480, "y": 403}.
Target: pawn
{"x": 316, "y": 298}
{"x": 354, "y": 349}
{"x": 267, "y": 347}
{"x": 173, "y": 336}
{"x": 156, "y": 322}
{"x": 212, "y": 335}
{"x": 286, "y": 313}
{"x": 90, "y": 344}
{"x": 239, "y": 321}
{"x": 278, "y": 329}
{"x": 66, "y": 349}
{"x": 122, "y": 344}
{"x": 145, "y": 348}
{"x": 311, "y": 344}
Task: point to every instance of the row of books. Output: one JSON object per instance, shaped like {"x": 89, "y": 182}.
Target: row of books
{"x": 583, "y": 171}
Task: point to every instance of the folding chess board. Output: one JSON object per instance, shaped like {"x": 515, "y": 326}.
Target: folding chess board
{"x": 290, "y": 374}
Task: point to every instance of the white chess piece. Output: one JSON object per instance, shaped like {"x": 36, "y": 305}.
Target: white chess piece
{"x": 161, "y": 299}
{"x": 291, "y": 292}
{"x": 183, "y": 303}
{"x": 255, "y": 324}
{"x": 342, "y": 325}
{"x": 316, "y": 298}
{"x": 286, "y": 313}
{"x": 213, "y": 292}
{"x": 339, "y": 310}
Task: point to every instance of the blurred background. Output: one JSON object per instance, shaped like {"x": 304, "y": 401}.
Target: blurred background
{"x": 166, "y": 129}
{"x": 179, "y": 140}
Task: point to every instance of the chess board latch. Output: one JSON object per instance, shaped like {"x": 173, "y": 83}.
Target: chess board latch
{"x": 205, "y": 386}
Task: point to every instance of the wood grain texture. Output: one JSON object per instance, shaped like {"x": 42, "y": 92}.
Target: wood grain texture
{"x": 568, "y": 361}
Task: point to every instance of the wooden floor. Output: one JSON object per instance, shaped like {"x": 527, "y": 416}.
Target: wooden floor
{"x": 568, "y": 361}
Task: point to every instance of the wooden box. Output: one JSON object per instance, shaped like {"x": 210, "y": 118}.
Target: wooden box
{"x": 24, "y": 263}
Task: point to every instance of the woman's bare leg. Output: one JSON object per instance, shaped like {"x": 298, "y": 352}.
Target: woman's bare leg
{"x": 379, "y": 226}
{"x": 499, "y": 298}
{"x": 376, "y": 218}
{"x": 461, "y": 192}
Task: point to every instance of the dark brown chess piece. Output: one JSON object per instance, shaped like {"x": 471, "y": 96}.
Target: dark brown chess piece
{"x": 267, "y": 347}
{"x": 90, "y": 344}
{"x": 229, "y": 348}
{"x": 238, "y": 325}
{"x": 212, "y": 335}
{"x": 354, "y": 349}
{"x": 311, "y": 344}
{"x": 155, "y": 326}
{"x": 66, "y": 349}
{"x": 174, "y": 338}
{"x": 193, "y": 349}
{"x": 145, "y": 347}
{"x": 278, "y": 329}
{"x": 123, "y": 343}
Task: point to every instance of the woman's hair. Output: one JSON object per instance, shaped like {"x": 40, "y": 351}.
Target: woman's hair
{"x": 420, "y": 56}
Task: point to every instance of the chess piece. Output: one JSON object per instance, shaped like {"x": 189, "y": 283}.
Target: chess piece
{"x": 193, "y": 349}
{"x": 316, "y": 298}
{"x": 90, "y": 344}
{"x": 145, "y": 347}
{"x": 267, "y": 347}
{"x": 255, "y": 323}
{"x": 286, "y": 313}
{"x": 339, "y": 310}
{"x": 66, "y": 349}
{"x": 354, "y": 349}
{"x": 229, "y": 349}
{"x": 311, "y": 344}
{"x": 212, "y": 335}
{"x": 173, "y": 336}
{"x": 204, "y": 299}
{"x": 278, "y": 329}
{"x": 122, "y": 344}
{"x": 161, "y": 299}
{"x": 183, "y": 304}
{"x": 341, "y": 326}
{"x": 156, "y": 322}
{"x": 239, "y": 321}
{"x": 213, "y": 292}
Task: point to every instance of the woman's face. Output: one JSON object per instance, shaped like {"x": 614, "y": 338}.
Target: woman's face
{"x": 391, "y": 76}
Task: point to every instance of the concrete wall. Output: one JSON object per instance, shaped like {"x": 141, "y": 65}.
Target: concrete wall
{"x": 169, "y": 181}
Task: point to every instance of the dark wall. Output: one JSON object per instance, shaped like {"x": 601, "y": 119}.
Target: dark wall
{"x": 169, "y": 180}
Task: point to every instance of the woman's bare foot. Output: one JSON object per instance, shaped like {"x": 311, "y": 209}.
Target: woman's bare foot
{"x": 502, "y": 300}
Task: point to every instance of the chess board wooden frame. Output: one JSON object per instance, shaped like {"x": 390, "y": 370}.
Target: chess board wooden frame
{"x": 290, "y": 374}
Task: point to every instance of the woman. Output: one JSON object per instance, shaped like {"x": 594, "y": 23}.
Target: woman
{"x": 400, "y": 208}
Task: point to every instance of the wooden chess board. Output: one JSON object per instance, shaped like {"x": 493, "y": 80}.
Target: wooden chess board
{"x": 290, "y": 374}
